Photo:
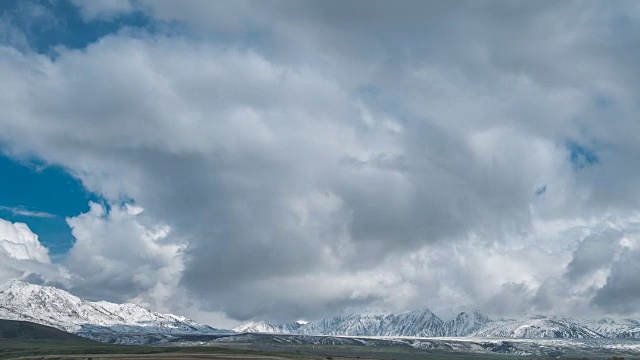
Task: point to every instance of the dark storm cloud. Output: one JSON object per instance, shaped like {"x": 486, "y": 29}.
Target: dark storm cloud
{"x": 594, "y": 252}
{"x": 620, "y": 293}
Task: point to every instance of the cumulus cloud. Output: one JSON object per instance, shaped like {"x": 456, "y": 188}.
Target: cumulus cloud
{"x": 21, "y": 254}
{"x": 20, "y": 243}
{"x": 302, "y": 159}
{"x": 120, "y": 255}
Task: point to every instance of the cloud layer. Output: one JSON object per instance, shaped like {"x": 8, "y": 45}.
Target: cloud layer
{"x": 296, "y": 160}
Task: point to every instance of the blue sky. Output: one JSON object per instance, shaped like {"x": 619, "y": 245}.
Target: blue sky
{"x": 394, "y": 155}
{"x": 48, "y": 24}
{"x": 49, "y": 193}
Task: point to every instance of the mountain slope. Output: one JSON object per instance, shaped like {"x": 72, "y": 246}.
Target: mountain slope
{"x": 23, "y": 330}
{"x": 59, "y": 309}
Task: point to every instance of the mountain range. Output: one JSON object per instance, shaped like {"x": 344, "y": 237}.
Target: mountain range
{"x": 424, "y": 323}
{"x": 59, "y": 309}
{"x": 130, "y": 323}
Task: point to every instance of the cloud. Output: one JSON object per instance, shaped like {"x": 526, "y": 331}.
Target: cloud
{"x": 594, "y": 252}
{"x": 622, "y": 288}
{"x": 308, "y": 160}
{"x": 103, "y": 9}
{"x": 22, "y": 255}
{"x": 20, "y": 243}
{"x": 120, "y": 255}
{"x": 26, "y": 212}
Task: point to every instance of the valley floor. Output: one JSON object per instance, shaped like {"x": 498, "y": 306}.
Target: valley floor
{"x": 40, "y": 350}
{"x": 292, "y": 347}
{"x": 223, "y": 356}
{"x": 170, "y": 356}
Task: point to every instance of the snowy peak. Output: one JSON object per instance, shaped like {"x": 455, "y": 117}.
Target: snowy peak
{"x": 48, "y": 306}
{"x": 57, "y": 308}
{"x": 466, "y": 323}
{"x": 20, "y": 291}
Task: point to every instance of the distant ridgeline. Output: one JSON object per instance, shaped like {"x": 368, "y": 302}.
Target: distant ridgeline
{"x": 424, "y": 323}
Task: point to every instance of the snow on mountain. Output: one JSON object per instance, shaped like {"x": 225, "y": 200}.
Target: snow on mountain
{"x": 607, "y": 327}
{"x": 414, "y": 323}
{"x": 465, "y": 323}
{"x": 424, "y": 323}
{"x": 57, "y": 308}
{"x": 537, "y": 327}
{"x": 361, "y": 325}
{"x": 419, "y": 322}
{"x": 264, "y": 327}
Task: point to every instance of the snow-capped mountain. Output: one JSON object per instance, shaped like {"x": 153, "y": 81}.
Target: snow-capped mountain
{"x": 424, "y": 323}
{"x": 57, "y": 308}
{"x": 466, "y": 322}
{"x": 621, "y": 329}
{"x": 414, "y": 323}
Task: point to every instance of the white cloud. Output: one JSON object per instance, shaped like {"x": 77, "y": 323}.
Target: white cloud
{"x": 26, "y": 212}
{"x": 23, "y": 256}
{"x": 121, "y": 255}
{"x": 20, "y": 243}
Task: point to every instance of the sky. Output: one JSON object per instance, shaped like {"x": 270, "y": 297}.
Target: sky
{"x": 280, "y": 160}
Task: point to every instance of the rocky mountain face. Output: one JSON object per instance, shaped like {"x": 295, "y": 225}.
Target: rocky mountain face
{"x": 57, "y": 308}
